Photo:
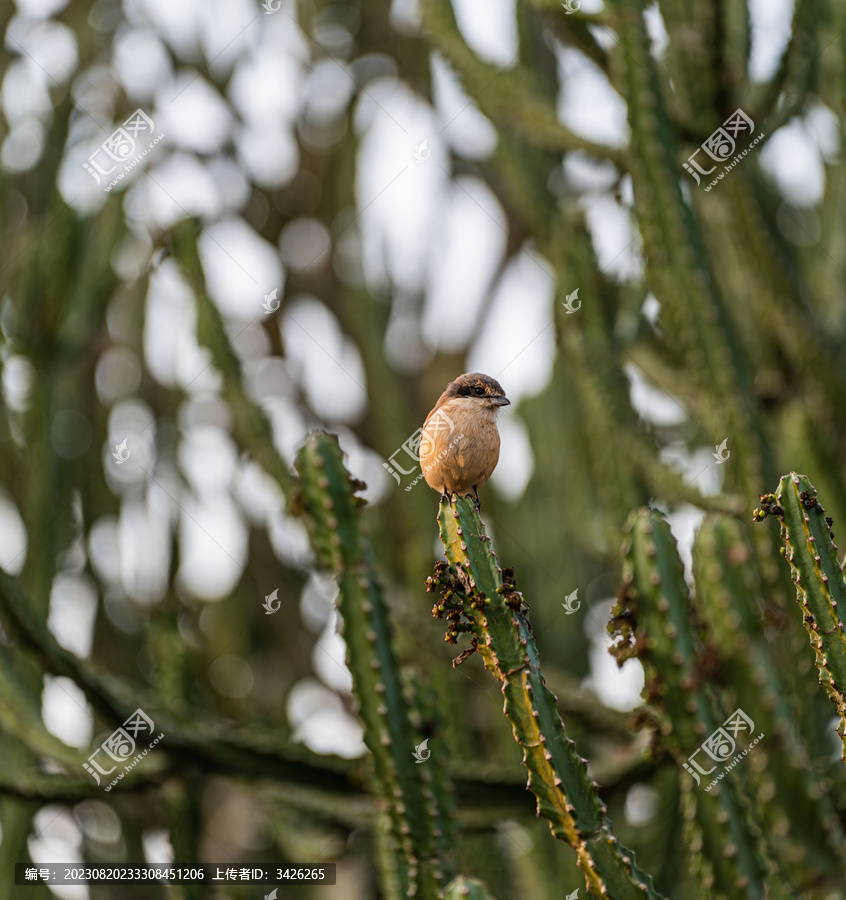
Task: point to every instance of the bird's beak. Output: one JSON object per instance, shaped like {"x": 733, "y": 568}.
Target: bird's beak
{"x": 501, "y": 401}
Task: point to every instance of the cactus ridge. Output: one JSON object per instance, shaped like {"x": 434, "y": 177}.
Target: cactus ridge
{"x": 657, "y": 622}
{"x": 810, "y": 550}
{"x": 794, "y": 799}
{"x": 479, "y": 598}
{"x": 419, "y": 821}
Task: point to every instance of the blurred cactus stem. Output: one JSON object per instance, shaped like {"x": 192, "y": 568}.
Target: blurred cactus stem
{"x": 656, "y": 622}
{"x": 820, "y": 589}
{"x": 480, "y": 599}
{"x": 467, "y": 889}
{"x": 420, "y": 826}
{"x": 795, "y": 799}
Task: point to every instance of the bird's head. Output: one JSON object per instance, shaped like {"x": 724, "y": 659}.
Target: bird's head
{"x": 478, "y": 388}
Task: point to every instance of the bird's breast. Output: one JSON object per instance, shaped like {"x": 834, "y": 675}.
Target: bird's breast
{"x": 459, "y": 446}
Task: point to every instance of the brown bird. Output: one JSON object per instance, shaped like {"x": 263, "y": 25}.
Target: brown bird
{"x": 459, "y": 443}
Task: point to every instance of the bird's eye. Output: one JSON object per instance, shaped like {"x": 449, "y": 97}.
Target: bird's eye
{"x": 479, "y": 391}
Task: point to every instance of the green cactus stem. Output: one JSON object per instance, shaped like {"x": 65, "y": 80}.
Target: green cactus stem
{"x": 427, "y": 734}
{"x": 656, "y": 622}
{"x": 820, "y": 589}
{"x": 794, "y": 799}
{"x": 705, "y": 342}
{"x": 420, "y": 828}
{"x": 189, "y": 733}
{"x": 479, "y": 598}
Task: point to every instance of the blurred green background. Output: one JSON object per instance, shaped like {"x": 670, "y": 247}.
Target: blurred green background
{"x": 385, "y": 195}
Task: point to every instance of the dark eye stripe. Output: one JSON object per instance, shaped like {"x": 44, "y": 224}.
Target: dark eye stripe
{"x": 474, "y": 390}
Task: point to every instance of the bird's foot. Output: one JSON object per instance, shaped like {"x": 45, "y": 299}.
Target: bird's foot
{"x": 477, "y": 502}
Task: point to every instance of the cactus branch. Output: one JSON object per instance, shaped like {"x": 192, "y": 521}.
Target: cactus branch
{"x": 655, "y": 621}
{"x": 820, "y": 589}
{"x": 479, "y": 598}
{"x": 795, "y": 801}
{"x": 414, "y": 844}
